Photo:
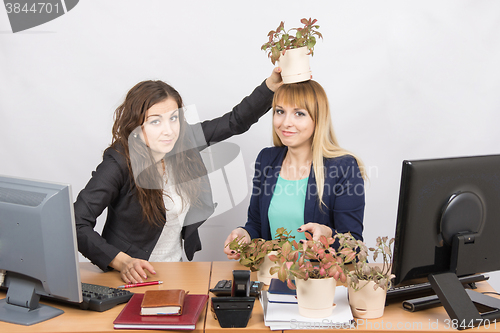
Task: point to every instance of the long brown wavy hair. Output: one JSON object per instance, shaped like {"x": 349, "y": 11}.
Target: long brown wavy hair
{"x": 184, "y": 162}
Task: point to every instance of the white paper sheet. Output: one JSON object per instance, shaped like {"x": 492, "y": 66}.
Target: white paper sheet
{"x": 285, "y": 316}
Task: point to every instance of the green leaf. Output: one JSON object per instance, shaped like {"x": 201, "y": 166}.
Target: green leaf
{"x": 290, "y": 284}
{"x": 273, "y": 257}
{"x": 275, "y": 54}
{"x": 281, "y": 26}
{"x": 350, "y": 257}
{"x": 300, "y": 274}
{"x": 282, "y": 275}
{"x": 323, "y": 241}
{"x": 246, "y": 262}
{"x": 285, "y": 250}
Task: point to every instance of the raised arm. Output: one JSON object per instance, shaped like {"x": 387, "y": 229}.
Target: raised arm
{"x": 245, "y": 114}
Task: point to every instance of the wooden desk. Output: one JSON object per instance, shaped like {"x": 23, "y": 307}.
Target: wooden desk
{"x": 394, "y": 319}
{"x": 192, "y": 276}
{"x": 198, "y": 277}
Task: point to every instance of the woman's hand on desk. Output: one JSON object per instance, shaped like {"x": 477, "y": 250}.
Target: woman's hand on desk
{"x": 132, "y": 270}
{"x": 236, "y": 233}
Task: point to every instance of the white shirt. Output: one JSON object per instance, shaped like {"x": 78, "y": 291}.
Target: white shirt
{"x": 169, "y": 245}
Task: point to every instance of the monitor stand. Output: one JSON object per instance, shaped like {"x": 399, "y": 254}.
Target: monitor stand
{"x": 464, "y": 305}
{"x": 22, "y": 307}
{"x": 466, "y": 308}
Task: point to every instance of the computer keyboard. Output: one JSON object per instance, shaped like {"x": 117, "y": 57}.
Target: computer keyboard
{"x": 102, "y": 298}
{"x": 424, "y": 289}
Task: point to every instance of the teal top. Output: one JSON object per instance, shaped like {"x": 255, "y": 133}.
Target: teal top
{"x": 287, "y": 206}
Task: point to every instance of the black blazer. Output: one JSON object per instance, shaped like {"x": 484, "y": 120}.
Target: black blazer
{"x": 111, "y": 187}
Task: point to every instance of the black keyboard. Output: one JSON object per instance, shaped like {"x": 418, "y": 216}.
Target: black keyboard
{"x": 101, "y": 298}
{"x": 424, "y": 289}
{"x": 223, "y": 288}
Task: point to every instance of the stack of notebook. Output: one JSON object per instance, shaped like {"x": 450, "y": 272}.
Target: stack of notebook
{"x": 281, "y": 311}
{"x": 161, "y": 310}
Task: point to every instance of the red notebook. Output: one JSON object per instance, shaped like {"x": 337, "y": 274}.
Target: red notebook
{"x": 130, "y": 317}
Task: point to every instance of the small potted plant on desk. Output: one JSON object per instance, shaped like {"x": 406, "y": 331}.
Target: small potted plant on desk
{"x": 292, "y": 50}
{"x": 367, "y": 283}
{"x": 315, "y": 266}
{"x": 255, "y": 255}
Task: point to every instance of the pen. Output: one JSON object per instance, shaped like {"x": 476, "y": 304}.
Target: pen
{"x": 150, "y": 283}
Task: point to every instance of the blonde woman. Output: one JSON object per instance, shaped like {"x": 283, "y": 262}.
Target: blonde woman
{"x": 306, "y": 182}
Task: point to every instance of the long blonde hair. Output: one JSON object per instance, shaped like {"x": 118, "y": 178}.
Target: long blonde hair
{"x": 311, "y": 96}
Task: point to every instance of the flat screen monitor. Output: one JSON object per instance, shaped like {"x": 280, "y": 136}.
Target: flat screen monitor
{"x": 448, "y": 225}
{"x": 38, "y": 249}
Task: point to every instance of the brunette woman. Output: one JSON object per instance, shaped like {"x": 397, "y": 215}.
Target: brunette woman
{"x": 152, "y": 180}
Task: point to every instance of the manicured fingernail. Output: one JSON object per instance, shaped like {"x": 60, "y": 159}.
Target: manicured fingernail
{"x": 299, "y": 229}
{"x": 232, "y": 252}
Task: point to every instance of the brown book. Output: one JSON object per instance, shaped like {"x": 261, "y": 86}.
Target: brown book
{"x": 163, "y": 302}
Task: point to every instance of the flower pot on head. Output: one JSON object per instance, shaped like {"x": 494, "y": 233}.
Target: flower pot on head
{"x": 292, "y": 48}
{"x": 315, "y": 297}
{"x": 263, "y": 274}
{"x": 294, "y": 65}
{"x": 367, "y": 302}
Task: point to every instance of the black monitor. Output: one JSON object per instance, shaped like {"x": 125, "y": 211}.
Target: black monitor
{"x": 448, "y": 225}
{"x": 38, "y": 249}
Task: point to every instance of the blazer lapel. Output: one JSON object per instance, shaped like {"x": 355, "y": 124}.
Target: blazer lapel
{"x": 311, "y": 199}
{"x": 270, "y": 180}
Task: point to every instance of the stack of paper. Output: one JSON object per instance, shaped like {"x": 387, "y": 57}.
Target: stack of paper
{"x": 285, "y": 315}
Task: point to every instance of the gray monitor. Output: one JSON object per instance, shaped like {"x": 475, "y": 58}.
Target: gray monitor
{"x": 38, "y": 249}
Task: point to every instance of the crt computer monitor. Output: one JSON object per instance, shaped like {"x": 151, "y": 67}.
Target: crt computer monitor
{"x": 448, "y": 225}
{"x": 38, "y": 249}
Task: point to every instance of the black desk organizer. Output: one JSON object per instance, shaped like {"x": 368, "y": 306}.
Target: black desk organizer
{"x": 235, "y": 310}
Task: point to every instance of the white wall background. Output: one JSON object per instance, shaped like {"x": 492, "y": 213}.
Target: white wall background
{"x": 406, "y": 80}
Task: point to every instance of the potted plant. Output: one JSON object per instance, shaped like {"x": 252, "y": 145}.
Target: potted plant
{"x": 315, "y": 266}
{"x": 255, "y": 255}
{"x": 291, "y": 48}
{"x": 367, "y": 284}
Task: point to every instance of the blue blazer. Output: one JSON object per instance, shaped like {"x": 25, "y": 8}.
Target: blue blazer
{"x": 343, "y": 195}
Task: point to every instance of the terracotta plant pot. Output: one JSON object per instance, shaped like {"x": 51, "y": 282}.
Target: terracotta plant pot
{"x": 367, "y": 303}
{"x": 315, "y": 297}
{"x": 263, "y": 274}
{"x": 295, "y": 65}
